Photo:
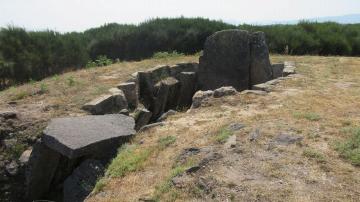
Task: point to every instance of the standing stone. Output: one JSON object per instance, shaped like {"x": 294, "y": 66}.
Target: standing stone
{"x": 277, "y": 70}
{"x": 187, "y": 89}
{"x": 165, "y": 96}
{"x": 40, "y": 171}
{"x": 225, "y": 61}
{"x": 260, "y": 67}
{"x": 142, "y": 117}
{"x": 81, "y": 182}
{"x": 130, "y": 92}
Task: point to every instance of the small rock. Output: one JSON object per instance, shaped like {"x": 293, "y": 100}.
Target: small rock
{"x": 147, "y": 127}
{"x": 236, "y": 126}
{"x": 255, "y": 92}
{"x": 199, "y": 97}
{"x": 289, "y": 68}
{"x": 285, "y": 139}
{"x": 142, "y": 117}
{"x": 224, "y": 91}
{"x": 193, "y": 169}
{"x": 254, "y": 135}
{"x": 25, "y": 156}
{"x": 8, "y": 114}
{"x": 12, "y": 168}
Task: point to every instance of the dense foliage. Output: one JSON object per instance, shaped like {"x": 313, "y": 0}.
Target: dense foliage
{"x": 34, "y": 55}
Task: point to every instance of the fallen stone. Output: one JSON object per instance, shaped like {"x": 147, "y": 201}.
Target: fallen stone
{"x": 25, "y": 156}
{"x": 255, "y": 92}
{"x": 277, "y": 70}
{"x": 82, "y": 181}
{"x": 260, "y": 67}
{"x": 149, "y": 126}
{"x": 40, "y": 171}
{"x": 164, "y": 116}
{"x": 289, "y": 68}
{"x": 225, "y": 61}
{"x": 285, "y": 139}
{"x": 224, "y": 91}
{"x": 12, "y": 168}
{"x": 188, "y": 82}
{"x": 79, "y": 136}
{"x": 142, "y": 117}
{"x": 8, "y": 114}
{"x": 106, "y": 104}
{"x": 130, "y": 92}
{"x": 263, "y": 87}
{"x": 235, "y": 127}
{"x": 199, "y": 97}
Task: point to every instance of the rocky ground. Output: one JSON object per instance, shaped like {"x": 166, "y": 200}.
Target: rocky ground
{"x": 284, "y": 145}
{"x": 276, "y": 146}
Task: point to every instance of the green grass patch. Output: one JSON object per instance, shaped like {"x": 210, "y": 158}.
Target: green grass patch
{"x": 166, "y": 141}
{"x": 311, "y": 116}
{"x": 162, "y": 55}
{"x": 350, "y": 148}
{"x": 20, "y": 95}
{"x": 129, "y": 159}
{"x": 313, "y": 154}
{"x": 223, "y": 135}
{"x": 100, "y": 185}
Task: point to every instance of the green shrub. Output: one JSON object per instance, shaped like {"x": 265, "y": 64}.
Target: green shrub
{"x": 161, "y": 55}
{"x": 350, "y": 148}
{"x": 312, "y": 154}
{"x": 223, "y": 135}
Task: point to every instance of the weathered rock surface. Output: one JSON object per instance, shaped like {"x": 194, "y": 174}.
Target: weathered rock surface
{"x": 12, "y": 168}
{"x": 81, "y": 182}
{"x": 166, "y": 96}
{"x": 224, "y": 91}
{"x": 106, "y": 104}
{"x": 130, "y": 92}
{"x": 199, "y": 97}
{"x": 165, "y": 115}
{"x": 40, "y": 171}
{"x": 277, "y": 70}
{"x": 8, "y": 114}
{"x": 188, "y": 81}
{"x": 289, "y": 68}
{"x": 25, "y": 156}
{"x": 255, "y": 92}
{"x": 225, "y": 61}
{"x": 177, "y": 69}
{"x": 260, "y": 67}
{"x": 79, "y": 136}
{"x": 142, "y": 117}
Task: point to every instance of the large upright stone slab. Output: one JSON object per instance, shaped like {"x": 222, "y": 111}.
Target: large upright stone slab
{"x": 260, "y": 67}
{"x": 74, "y": 137}
{"x": 188, "y": 82}
{"x": 226, "y": 60}
{"x": 130, "y": 91}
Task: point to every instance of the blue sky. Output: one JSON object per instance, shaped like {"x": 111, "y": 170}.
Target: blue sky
{"x": 78, "y": 15}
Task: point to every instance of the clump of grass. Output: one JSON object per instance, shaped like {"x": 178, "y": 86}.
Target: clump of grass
{"x": 311, "y": 116}
{"x": 20, "y": 95}
{"x": 99, "y": 186}
{"x": 43, "y": 88}
{"x": 161, "y": 55}
{"x": 129, "y": 159}
{"x": 223, "y": 135}
{"x": 70, "y": 81}
{"x": 166, "y": 141}
{"x": 350, "y": 148}
{"x": 313, "y": 154}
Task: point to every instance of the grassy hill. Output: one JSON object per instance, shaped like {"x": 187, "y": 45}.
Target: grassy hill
{"x": 319, "y": 105}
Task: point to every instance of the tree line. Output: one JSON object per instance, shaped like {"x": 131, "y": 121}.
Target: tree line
{"x": 33, "y": 55}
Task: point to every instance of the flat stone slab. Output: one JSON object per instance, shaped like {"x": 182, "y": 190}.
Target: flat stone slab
{"x": 79, "y": 136}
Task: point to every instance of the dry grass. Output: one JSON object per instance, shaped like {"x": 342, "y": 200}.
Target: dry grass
{"x": 316, "y": 106}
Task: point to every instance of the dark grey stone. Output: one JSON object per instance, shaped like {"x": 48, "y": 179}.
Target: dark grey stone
{"x": 176, "y": 70}
{"x": 224, "y": 91}
{"x": 277, "y": 70}
{"x": 79, "y": 136}
{"x": 142, "y": 117}
{"x": 188, "y": 82}
{"x": 12, "y": 168}
{"x": 226, "y": 60}
{"x": 40, "y": 171}
{"x": 107, "y": 104}
{"x": 82, "y": 181}
{"x": 130, "y": 92}
{"x": 285, "y": 139}
{"x": 8, "y": 114}
{"x": 235, "y": 127}
{"x": 260, "y": 67}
